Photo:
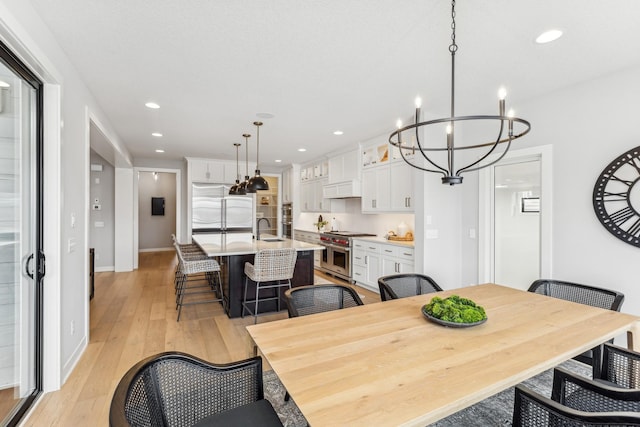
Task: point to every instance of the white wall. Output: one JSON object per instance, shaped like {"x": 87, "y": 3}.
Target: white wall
{"x": 154, "y": 231}
{"x": 101, "y": 238}
{"x": 589, "y": 125}
{"x": 67, "y": 127}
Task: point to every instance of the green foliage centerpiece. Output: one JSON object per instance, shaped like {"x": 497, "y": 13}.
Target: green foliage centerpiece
{"x": 454, "y": 311}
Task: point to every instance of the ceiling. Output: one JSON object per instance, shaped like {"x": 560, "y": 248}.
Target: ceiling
{"x": 321, "y": 66}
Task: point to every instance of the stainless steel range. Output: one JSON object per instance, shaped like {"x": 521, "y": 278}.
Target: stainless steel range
{"x": 336, "y": 258}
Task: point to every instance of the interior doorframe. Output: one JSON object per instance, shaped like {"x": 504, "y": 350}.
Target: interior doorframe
{"x": 136, "y": 228}
{"x": 486, "y": 214}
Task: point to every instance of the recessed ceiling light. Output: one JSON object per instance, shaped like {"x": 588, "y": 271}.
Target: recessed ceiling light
{"x": 302, "y": 150}
{"x": 159, "y": 151}
{"x": 265, "y": 115}
{"x": 338, "y": 132}
{"x": 548, "y": 36}
{"x": 152, "y": 105}
{"x": 278, "y": 160}
{"x": 158, "y": 134}
{"x": 4, "y": 84}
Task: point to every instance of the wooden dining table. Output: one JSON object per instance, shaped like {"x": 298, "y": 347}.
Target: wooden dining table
{"x": 385, "y": 364}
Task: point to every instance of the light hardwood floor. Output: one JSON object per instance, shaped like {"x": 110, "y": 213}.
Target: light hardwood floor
{"x": 133, "y": 316}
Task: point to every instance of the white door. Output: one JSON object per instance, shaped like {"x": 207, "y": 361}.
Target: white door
{"x": 515, "y": 219}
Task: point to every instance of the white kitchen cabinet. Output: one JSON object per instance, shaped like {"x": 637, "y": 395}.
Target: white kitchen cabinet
{"x": 366, "y": 263}
{"x": 215, "y": 171}
{"x": 397, "y": 259}
{"x": 401, "y": 179}
{"x": 376, "y": 190}
{"x": 287, "y": 196}
{"x": 372, "y": 260}
{"x": 312, "y": 198}
{"x": 387, "y": 188}
{"x": 344, "y": 167}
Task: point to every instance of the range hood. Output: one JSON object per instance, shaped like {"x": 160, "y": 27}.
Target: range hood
{"x": 342, "y": 190}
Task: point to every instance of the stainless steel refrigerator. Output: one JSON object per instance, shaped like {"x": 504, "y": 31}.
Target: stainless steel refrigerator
{"x": 214, "y": 211}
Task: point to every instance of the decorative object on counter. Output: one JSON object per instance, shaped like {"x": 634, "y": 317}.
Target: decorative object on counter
{"x": 242, "y": 188}
{"x": 257, "y": 182}
{"x": 408, "y": 237}
{"x": 403, "y": 228}
{"x": 264, "y": 200}
{"x": 451, "y": 174}
{"x": 334, "y": 224}
{"x": 321, "y": 223}
{"x": 235, "y": 189}
{"x": 454, "y": 311}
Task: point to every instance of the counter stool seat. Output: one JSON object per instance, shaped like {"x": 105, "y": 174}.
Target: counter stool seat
{"x": 271, "y": 269}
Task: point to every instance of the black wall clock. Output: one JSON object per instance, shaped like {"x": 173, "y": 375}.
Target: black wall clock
{"x": 616, "y": 197}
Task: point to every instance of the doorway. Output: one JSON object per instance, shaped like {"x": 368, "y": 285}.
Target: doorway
{"x": 515, "y": 219}
{"x": 21, "y": 238}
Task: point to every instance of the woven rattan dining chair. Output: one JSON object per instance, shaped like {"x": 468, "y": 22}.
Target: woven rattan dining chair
{"x": 304, "y": 300}
{"x": 272, "y": 269}
{"x": 175, "y": 389}
{"x": 583, "y": 294}
{"x": 205, "y": 270}
{"x": 406, "y": 285}
{"x": 589, "y": 395}
{"x": 531, "y": 409}
{"x": 620, "y": 366}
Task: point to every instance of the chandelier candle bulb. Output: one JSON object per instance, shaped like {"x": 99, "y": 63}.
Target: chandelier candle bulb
{"x": 418, "y": 102}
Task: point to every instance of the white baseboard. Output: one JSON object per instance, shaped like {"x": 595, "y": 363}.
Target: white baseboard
{"x": 73, "y": 360}
{"x": 103, "y": 269}
{"x": 156, "y": 249}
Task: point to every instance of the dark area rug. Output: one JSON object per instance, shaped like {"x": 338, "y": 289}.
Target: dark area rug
{"x": 494, "y": 411}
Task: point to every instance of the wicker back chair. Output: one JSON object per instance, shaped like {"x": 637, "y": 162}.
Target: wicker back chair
{"x": 304, "y": 300}
{"x": 406, "y": 285}
{"x": 205, "y": 272}
{"x": 531, "y": 409}
{"x": 620, "y": 366}
{"x": 175, "y": 389}
{"x": 587, "y": 395}
{"x": 270, "y": 268}
{"x": 583, "y": 294}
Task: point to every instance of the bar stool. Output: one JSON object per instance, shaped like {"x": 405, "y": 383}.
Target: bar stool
{"x": 269, "y": 269}
{"x": 206, "y": 269}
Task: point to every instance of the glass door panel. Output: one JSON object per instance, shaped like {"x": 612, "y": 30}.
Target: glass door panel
{"x": 19, "y": 241}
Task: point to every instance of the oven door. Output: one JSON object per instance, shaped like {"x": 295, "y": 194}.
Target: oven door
{"x": 338, "y": 260}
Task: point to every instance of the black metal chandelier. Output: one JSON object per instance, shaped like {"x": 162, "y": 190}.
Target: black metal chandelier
{"x": 257, "y": 182}
{"x": 236, "y": 189}
{"x": 450, "y": 173}
{"x": 242, "y": 187}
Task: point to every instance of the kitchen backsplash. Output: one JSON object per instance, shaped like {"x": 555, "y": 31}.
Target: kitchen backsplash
{"x": 354, "y": 220}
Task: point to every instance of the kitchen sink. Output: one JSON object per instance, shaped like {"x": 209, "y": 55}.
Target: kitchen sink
{"x": 272, "y": 239}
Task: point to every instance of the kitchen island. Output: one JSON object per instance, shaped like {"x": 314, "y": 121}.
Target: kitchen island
{"x": 234, "y": 250}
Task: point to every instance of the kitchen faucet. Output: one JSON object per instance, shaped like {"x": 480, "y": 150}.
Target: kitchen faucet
{"x": 258, "y": 227}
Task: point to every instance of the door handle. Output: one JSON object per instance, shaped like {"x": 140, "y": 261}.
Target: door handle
{"x": 27, "y": 266}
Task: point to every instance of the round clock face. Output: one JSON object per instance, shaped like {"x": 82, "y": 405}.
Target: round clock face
{"x": 616, "y": 197}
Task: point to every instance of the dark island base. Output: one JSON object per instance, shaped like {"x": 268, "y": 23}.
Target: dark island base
{"x": 234, "y": 283}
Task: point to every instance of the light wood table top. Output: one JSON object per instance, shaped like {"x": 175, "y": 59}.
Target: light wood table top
{"x": 384, "y": 364}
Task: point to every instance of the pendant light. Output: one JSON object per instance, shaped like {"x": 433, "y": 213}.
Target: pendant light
{"x": 257, "y": 182}
{"x": 235, "y": 189}
{"x": 242, "y": 188}
{"x": 451, "y": 174}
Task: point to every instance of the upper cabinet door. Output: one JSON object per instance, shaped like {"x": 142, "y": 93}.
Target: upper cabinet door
{"x": 402, "y": 185}
{"x": 207, "y": 171}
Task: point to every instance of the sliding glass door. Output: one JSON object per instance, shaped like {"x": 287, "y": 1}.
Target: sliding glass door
{"x": 21, "y": 259}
